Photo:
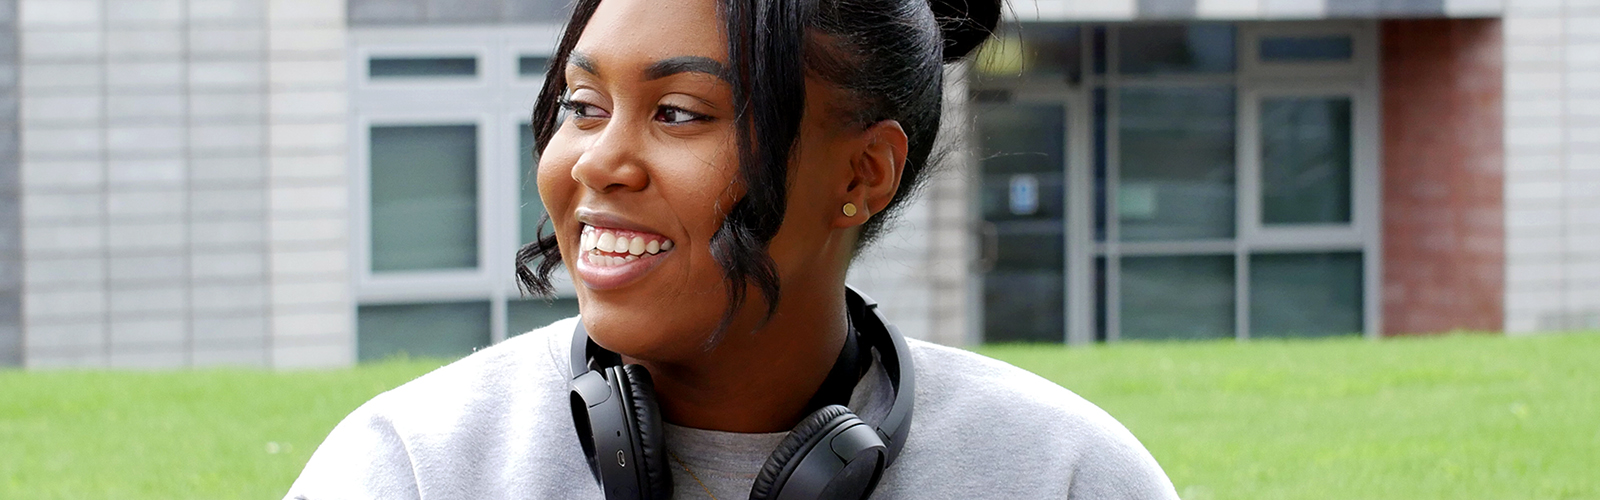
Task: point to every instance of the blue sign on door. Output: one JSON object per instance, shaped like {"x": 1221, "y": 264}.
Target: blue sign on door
{"x": 1024, "y": 194}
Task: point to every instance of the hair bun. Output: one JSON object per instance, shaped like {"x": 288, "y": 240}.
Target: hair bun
{"x": 965, "y": 24}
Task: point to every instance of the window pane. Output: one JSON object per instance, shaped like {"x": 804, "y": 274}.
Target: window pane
{"x": 1177, "y": 179}
{"x": 531, "y": 209}
{"x": 1024, "y": 166}
{"x": 1305, "y": 295}
{"x": 1188, "y": 297}
{"x": 1305, "y": 160}
{"x": 446, "y": 330}
{"x": 1165, "y": 49}
{"x": 424, "y": 197}
{"x": 421, "y": 67}
{"x": 523, "y": 316}
{"x": 1033, "y": 51}
{"x": 1293, "y": 49}
{"x": 532, "y": 66}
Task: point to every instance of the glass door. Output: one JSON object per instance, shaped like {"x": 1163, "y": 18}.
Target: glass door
{"x": 1023, "y": 225}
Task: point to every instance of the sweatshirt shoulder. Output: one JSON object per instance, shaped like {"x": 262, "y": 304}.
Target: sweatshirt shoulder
{"x": 1010, "y": 414}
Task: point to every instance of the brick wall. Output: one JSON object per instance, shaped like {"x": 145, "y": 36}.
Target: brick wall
{"x": 1443, "y": 176}
{"x": 183, "y": 183}
{"x": 1552, "y": 165}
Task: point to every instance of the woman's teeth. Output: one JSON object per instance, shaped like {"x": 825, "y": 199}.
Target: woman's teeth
{"x": 595, "y": 243}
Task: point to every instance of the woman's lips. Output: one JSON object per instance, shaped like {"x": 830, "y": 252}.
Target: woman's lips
{"x": 612, "y": 257}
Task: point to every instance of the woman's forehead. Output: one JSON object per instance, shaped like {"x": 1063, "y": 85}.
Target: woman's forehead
{"x": 641, "y": 35}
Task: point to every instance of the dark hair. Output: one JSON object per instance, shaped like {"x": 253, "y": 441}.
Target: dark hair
{"x": 887, "y": 54}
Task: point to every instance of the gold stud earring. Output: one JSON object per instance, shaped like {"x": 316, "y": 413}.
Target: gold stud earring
{"x": 849, "y": 210}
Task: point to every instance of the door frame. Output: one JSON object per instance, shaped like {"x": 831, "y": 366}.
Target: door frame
{"x": 1078, "y": 239}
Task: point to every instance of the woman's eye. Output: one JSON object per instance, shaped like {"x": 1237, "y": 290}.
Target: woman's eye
{"x": 581, "y": 109}
{"x": 677, "y": 116}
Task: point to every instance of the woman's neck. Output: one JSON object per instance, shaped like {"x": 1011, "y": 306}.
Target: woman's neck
{"x": 758, "y": 381}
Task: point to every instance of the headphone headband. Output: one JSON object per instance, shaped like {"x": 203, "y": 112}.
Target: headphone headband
{"x": 875, "y": 330}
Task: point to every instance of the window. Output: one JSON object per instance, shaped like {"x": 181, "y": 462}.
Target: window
{"x": 1177, "y": 163}
{"x": 435, "y": 330}
{"x": 421, "y": 67}
{"x": 1299, "y": 49}
{"x": 1306, "y": 160}
{"x": 532, "y": 66}
{"x": 443, "y": 191}
{"x": 1221, "y": 188}
{"x": 523, "y": 316}
{"x": 530, "y": 208}
{"x": 424, "y": 197}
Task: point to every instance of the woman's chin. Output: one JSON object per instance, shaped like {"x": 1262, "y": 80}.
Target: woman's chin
{"x": 641, "y": 334}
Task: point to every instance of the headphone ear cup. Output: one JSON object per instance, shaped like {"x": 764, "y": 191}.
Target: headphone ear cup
{"x": 652, "y": 435}
{"x": 811, "y": 429}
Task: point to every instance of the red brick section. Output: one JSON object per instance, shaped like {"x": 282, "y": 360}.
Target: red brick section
{"x": 1443, "y": 176}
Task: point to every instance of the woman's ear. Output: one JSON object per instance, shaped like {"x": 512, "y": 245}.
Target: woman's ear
{"x": 875, "y": 173}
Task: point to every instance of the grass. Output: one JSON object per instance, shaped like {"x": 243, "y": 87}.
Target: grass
{"x": 1455, "y": 417}
{"x": 1449, "y": 417}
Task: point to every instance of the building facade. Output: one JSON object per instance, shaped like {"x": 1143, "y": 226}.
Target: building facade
{"x": 300, "y": 183}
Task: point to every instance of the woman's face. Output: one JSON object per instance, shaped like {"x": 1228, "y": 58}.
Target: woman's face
{"x": 648, "y": 155}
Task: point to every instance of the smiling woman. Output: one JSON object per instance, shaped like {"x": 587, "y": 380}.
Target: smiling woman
{"x": 710, "y": 169}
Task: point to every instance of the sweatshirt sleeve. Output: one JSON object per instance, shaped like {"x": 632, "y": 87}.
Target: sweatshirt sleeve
{"x": 1116, "y": 466}
{"x": 364, "y": 457}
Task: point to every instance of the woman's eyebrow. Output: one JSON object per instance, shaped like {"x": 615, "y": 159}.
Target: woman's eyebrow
{"x": 686, "y": 64}
{"x": 582, "y": 61}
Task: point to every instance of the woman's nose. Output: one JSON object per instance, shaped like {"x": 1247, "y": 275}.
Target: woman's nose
{"x": 613, "y": 162}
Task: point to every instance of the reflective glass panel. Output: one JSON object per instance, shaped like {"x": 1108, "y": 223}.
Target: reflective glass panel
{"x": 421, "y": 67}
{"x": 525, "y": 315}
{"x": 1305, "y": 160}
{"x": 424, "y": 197}
{"x": 444, "y": 330}
{"x": 1033, "y": 51}
{"x": 1177, "y": 168}
{"x": 1175, "y": 49}
{"x": 1024, "y": 155}
{"x": 1186, "y": 297}
{"x": 530, "y": 208}
{"x": 1301, "y": 49}
{"x": 1305, "y": 295}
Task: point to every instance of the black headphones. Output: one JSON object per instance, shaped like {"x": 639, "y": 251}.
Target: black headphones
{"x": 831, "y": 454}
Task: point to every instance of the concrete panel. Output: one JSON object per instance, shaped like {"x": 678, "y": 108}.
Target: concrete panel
{"x": 378, "y": 12}
{"x": 465, "y": 11}
{"x": 144, "y": 13}
{"x": 232, "y": 235}
{"x": 327, "y": 352}
{"x": 1386, "y": 8}
{"x": 227, "y": 12}
{"x": 141, "y": 172}
{"x": 544, "y": 11}
{"x": 1166, "y": 9}
{"x": 232, "y": 328}
{"x": 144, "y": 44}
{"x": 229, "y": 266}
{"x": 210, "y": 43}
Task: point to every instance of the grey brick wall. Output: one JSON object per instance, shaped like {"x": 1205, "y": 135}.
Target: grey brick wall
{"x": 1552, "y": 110}
{"x": 183, "y": 173}
{"x": 413, "y": 12}
{"x": 10, "y": 194}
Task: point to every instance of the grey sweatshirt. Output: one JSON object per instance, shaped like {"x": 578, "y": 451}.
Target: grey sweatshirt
{"x": 496, "y": 424}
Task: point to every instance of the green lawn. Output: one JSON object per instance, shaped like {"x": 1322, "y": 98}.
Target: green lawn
{"x": 1451, "y": 417}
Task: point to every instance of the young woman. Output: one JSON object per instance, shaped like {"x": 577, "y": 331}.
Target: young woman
{"x": 710, "y": 168}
